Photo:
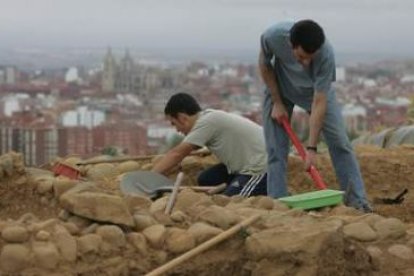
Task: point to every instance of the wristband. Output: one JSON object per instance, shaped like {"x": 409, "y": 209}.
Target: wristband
{"x": 315, "y": 149}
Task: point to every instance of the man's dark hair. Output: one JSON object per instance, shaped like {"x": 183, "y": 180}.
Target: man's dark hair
{"x": 181, "y": 103}
{"x": 307, "y": 34}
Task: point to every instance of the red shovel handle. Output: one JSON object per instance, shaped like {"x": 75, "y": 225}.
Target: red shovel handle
{"x": 298, "y": 145}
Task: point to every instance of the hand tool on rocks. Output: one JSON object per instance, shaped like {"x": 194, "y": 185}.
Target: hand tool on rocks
{"x": 311, "y": 200}
{"x": 154, "y": 185}
{"x": 65, "y": 169}
{"x": 174, "y": 193}
{"x": 394, "y": 200}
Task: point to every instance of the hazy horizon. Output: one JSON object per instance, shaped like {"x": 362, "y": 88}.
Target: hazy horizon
{"x": 202, "y": 28}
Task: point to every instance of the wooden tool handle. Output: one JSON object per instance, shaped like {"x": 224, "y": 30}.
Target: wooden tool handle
{"x": 217, "y": 189}
{"x": 174, "y": 193}
{"x": 204, "y": 246}
{"x": 134, "y": 158}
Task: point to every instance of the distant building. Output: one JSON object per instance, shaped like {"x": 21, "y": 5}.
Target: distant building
{"x": 130, "y": 137}
{"x": 355, "y": 117}
{"x": 82, "y": 116}
{"x": 340, "y": 74}
{"x": 72, "y": 75}
{"x": 129, "y": 77}
{"x": 13, "y": 103}
{"x": 75, "y": 141}
{"x": 389, "y": 112}
{"x": 157, "y": 134}
{"x": 109, "y": 72}
{"x": 8, "y": 75}
{"x": 123, "y": 77}
{"x": 37, "y": 144}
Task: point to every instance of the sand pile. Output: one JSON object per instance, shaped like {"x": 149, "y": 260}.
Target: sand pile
{"x": 57, "y": 226}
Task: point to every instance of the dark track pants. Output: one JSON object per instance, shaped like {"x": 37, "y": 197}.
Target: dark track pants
{"x": 237, "y": 184}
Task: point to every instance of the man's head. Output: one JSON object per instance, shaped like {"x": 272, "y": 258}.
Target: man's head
{"x": 306, "y": 37}
{"x": 181, "y": 110}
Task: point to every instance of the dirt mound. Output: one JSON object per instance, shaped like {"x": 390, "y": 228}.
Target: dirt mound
{"x": 53, "y": 225}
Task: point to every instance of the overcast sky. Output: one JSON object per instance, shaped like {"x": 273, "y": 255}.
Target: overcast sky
{"x": 351, "y": 25}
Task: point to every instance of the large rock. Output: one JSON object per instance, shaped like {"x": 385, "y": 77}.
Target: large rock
{"x": 392, "y": 228}
{"x": 360, "y": 231}
{"x": 102, "y": 171}
{"x": 139, "y": 242}
{"x": 308, "y": 247}
{"x": 112, "y": 234}
{"x": 89, "y": 243}
{"x": 187, "y": 198}
{"x": 219, "y": 216}
{"x": 62, "y": 185}
{"x": 375, "y": 254}
{"x": 14, "y": 258}
{"x": 202, "y": 231}
{"x": 401, "y": 251}
{"x": 44, "y": 184}
{"x": 155, "y": 235}
{"x": 143, "y": 220}
{"x": 15, "y": 234}
{"x": 65, "y": 243}
{"x": 220, "y": 200}
{"x": 127, "y": 166}
{"x": 179, "y": 240}
{"x": 71, "y": 227}
{"x": 289, "y": 239}
{"x": 137, "y": 203}
{"x": 46, "y": 255}
{"x": 97, "y": 206}
{"x": 11, "y": 163}
{"x": 159, "y": 205}
{"x": 178, "y": 216}
{"x": 264, "y": 202}
{"x": 79, "y": 222}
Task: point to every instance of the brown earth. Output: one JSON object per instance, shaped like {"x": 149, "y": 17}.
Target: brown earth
{"x": 94, "y": 230}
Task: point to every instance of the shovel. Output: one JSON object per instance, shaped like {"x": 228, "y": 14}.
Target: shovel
{"x": 313, "y": 172}
{"x": 154, "y": 185}
{"x": 310, "y": 200}
{"x": 394, "y": 200}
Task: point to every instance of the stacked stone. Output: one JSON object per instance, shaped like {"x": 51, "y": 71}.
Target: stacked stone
{"x": 11, "y": 164}
{"x": 105, "y": 232}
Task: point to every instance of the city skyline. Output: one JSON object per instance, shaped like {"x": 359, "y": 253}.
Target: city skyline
{"x": 202, "y": 28}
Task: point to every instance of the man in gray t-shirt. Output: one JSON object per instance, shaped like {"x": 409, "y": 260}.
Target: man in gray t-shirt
{"x": 236, "y": 141}
{"x": 297, "y": 65}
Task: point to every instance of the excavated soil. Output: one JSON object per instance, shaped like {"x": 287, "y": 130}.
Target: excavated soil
{"x": 54, "y": 226}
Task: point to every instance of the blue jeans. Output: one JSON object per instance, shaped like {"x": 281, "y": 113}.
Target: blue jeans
{"x": 340, "y": 149}
{"x": 237, "y": 184}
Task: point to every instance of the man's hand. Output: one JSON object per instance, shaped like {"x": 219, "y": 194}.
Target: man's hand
{"x": 310, "y": 159}
{"x": 173, "y": 157}
{"x": 278, "y": 112}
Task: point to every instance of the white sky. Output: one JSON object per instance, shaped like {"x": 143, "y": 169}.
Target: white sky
{"x": 351, "y": 25}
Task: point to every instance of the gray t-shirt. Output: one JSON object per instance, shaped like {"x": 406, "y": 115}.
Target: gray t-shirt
{"x": 236, "y": 141}
{"x": 296, "y": 82}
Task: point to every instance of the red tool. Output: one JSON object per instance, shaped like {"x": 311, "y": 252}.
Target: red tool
{"x": 296, "y": 142}
{"x": 62, "y": 168}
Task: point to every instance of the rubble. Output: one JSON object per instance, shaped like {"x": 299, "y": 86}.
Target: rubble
{"x": 55, "y": 226}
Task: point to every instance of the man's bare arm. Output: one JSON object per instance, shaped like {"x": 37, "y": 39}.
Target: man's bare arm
{"x": 316, "y": 118}
{"x": 269, "y": 78}
{"x": 173, "y": 157}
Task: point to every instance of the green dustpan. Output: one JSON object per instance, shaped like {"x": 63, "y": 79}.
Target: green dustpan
{"x": 314, "y": 200}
